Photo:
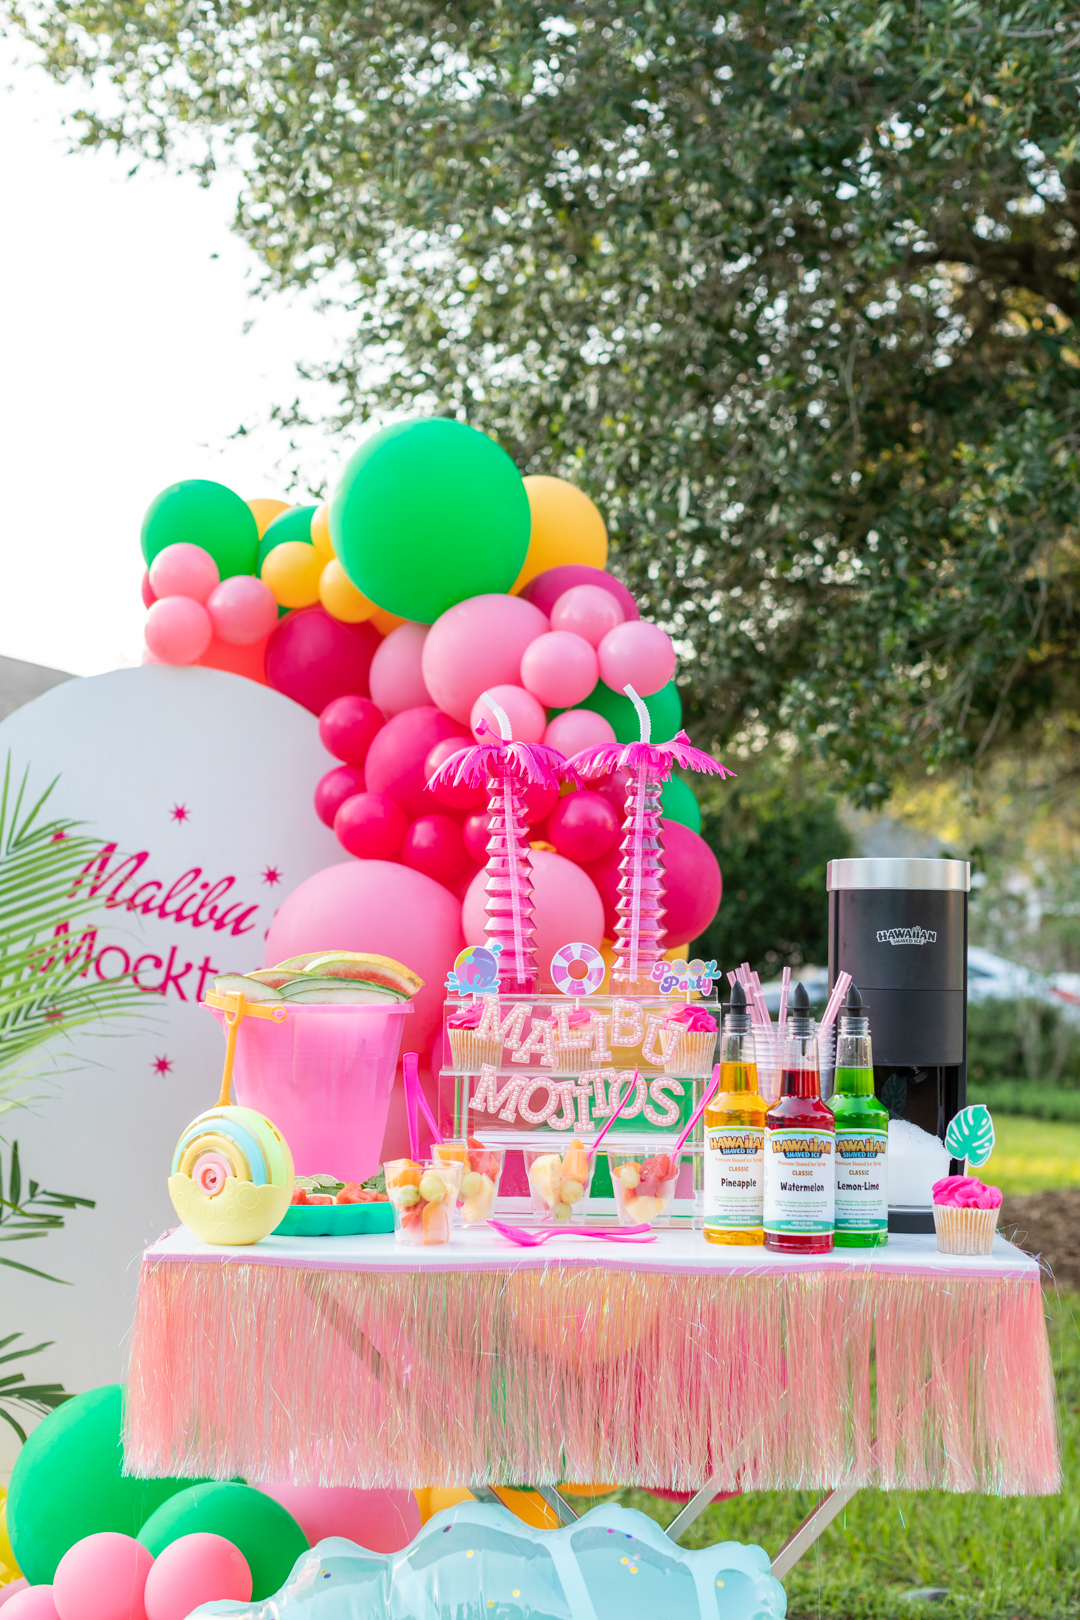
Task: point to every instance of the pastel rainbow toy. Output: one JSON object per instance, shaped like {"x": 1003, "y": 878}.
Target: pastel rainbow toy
{"x": 232, "y": 1176}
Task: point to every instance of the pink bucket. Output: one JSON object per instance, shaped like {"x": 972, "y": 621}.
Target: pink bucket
{"x": 324, "y": 1077}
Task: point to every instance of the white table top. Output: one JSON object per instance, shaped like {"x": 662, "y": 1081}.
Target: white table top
{"x": 679, "y": 1252}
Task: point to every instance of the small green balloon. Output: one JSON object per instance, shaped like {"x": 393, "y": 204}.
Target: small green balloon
{"x": 665, "y": 708}
{"x": 205, "y": 514}
{"x": 67, "y": 1484}
{"x": 292, "y": 525}
{"x": 428, "y": 514}
{"x": 269, "y": 1537}
{"x": 680, "y": 803}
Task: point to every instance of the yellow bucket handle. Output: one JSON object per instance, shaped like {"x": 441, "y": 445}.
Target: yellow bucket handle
{"x": 236, "y": 1007}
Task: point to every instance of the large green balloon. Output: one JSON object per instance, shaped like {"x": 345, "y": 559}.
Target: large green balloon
{"x": 428, "y": 514}
{"x": 680, "y": 803}
{"x": 664, "y": 706}
{"x": 67, "y": 1484}
{"x": 203, "y": 514}
{"x": 269, "y": 1537}
{"x": 292, "y": 525}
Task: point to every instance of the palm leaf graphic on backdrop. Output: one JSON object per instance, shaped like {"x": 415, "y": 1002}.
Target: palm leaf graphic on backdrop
{"x": 47, "y": 989}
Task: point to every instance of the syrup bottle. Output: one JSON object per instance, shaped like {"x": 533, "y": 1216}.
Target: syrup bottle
{"x": 862, "y": 1135}
{"x": 800, "y": 1183}
{"x": 735, "y": 1136}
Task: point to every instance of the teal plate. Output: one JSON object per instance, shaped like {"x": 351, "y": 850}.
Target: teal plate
{"x": 335, "y": 1220}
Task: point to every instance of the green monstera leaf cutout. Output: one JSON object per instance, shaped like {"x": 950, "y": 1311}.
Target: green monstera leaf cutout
{"x": 970, "y": 1135}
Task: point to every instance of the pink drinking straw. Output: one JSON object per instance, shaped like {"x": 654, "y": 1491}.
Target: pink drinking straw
{"x": 785, "y": 986}
{"x": 832, "y": 1007}
{"x": 639, "y": 932}
{"x": 623, "y": 1100}
{"x": 696, "y": 1115}
{"x": 506, "y": 768}
{"x": 415, "y": 1099}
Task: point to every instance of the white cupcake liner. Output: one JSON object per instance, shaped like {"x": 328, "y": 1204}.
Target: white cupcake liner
{"x": 965, "y": 1231}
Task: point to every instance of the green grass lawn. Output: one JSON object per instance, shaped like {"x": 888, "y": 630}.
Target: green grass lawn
{"x": 1033, "y": 1155}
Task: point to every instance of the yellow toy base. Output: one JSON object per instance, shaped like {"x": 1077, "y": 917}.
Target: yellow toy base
{"x": 240, "y": 1213}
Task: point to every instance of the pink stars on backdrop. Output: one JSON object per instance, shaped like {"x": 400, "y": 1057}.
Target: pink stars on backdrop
{"x": 179, "y": 813}
{"x": 162, "y": 1065}
{"x": 272, "y": 875}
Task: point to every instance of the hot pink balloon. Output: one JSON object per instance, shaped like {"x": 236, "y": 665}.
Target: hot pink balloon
{"x": 396, "y": 758}
{"x": 381, "y": 1521}
{"x": 640, "y": 655}
{"x": 544, "y": 591}
{"x": 578, "y": 729}
{"x": 454, "y": 798}
{"x": 559, "y": 669}
{"x": 27, "y": 1602}
{"x": 382, "y": 907}
{"x": 148, "y": 601}
{"x": 538, "y": 802}
{"x": 475, "y": 831}
{"x": 243, "y": 609}
{"x": 434, "y": 845}
{"x": 334, "y": 788}
{"x": 178, "y": 630}
{"x": 396, "y": 681}
{"x": 313, "y": 658}
{"x": 528, "y": 720}
{"x": 583, "y": 826}
{"x": 693, "y": 885}
{"x": 371, "y": 826}
{"x": 347, "y": 727}
{"x": 200, "y": 1568}
{"x": 566, "y": 907}
{"x": 475, "y": 645}
{"x": 589, "y": 612}
{"x": 102, "y": 1577}
{"x": 184, "y": 570}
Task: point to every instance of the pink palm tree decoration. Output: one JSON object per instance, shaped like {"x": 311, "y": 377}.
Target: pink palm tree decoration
{"x": 506, "y": 768}
{"x": 639, "y": 936}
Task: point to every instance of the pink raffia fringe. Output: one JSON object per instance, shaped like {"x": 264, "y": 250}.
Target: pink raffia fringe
{"x": 774, "y": 1382}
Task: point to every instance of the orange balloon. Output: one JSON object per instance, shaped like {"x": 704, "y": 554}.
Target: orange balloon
{"x": 320, "y": 534}
{"x": 292, "y": 571}
{"x": 340, "y": 597}
{"x": 264, "y": 512}
{"x": 566, "y": 528}
{"x": 385, "y": 622}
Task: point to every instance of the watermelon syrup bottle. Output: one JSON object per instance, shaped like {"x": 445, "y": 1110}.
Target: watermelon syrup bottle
{"x": 800, "y": 1183}
{"x": 735, "y": 1135}
{"x": 862, "y": 1135}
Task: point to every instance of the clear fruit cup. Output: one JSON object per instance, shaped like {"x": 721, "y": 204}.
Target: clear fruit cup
{"x": 422, "y": 1197}
{"x": 559, "y": 1182}
{"x": 481, "y": 1167}
{"x": 644, "y": 1187}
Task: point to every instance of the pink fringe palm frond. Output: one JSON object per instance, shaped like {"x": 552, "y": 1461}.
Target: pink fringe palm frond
{"x": 531, "y": 763}
{"x": 657, "y": 759}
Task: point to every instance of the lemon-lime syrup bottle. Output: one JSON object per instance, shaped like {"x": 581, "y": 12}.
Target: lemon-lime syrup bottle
{"x": 862, "y": 1135}
{"x": 735, "y": 1135}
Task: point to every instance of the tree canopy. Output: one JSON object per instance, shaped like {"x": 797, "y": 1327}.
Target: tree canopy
{"x": 790, "y": 288}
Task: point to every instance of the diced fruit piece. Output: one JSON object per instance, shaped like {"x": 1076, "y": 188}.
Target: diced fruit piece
{"x": 320, "y": 1198}
{"x": 404, "y": 1175}
{"x": 575, "y": 1164}
{"x": 406, "y": 1197}
{"x": 477, "y": 1207}
{"x": 657, "y": 1168}
{"x": 299, "y": 1196}
{"x": 629, "y": 1174}
{"x": 471, "y": 1184}
{"x": 436, "y": 1221}
{"x": 545, "y": 1175}
{"x": 413, "y": 1219}
{"x": 642, "y": 1210}
{"x": 572, "y": 1192}
{"x": 561, "y": 1212}
{"x": 432, "y": 1188}
{"x": 453, "y": 1153}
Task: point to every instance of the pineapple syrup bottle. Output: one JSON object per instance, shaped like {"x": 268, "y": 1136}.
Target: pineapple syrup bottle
{"x": 862, "y": 1135}
{"x": 735, "y": 1136}
{"x": 800, "y": 1188}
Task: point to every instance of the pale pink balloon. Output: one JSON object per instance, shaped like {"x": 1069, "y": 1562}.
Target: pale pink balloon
{"x": 475, "y": 645}
{"x": 178, "y": 630}
{"x": 396, "y": 679}
{"x": 577, "y": 729}
{"x": 566, "y": 906}
{"x": 24, "y": 1602}
{"x": 184, "y": 570}
{"x": 559, "y": 669}
{"x": 102, "y": 1577}
{"x": 196, "y": 1569}
{"x": 243, "y": 609}
{"x": 588, "y": 611}
{"x": 527, "y": 718}
{"x": 381, "y": 1521}
{"x": 638, "y": 654}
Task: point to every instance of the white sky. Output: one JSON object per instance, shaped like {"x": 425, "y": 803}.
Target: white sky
{"x": 124, "y": 366}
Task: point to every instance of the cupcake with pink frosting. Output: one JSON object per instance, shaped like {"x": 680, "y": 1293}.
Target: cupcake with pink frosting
{"x": 695, "y": 1040}
{"x": 965, "y": 1215}
{"x": 469, "y": 1051}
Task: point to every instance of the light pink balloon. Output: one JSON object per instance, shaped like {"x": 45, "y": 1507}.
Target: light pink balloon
{"x": 382, "y": 907}
{"x": 477, "y": 644}
{"x": 588, "y": 611}
{"x": 184, "y": 570}
{"x": 527, "y": 718}
{"x": 196, "y": 1569}
{"x": 381, "y": 1521}
{"x": 242, "y": 609}
{"x": 396, "y": 680}
{"x": 638, "y": 654}
{"x": 566, "y": 906}
{"x": 178, "y": 630}
{"x": 24, "y": 1602}
{"x": 102, "y": 1577}
{"x": 577, "y": 729}
{"x": 559, "y": 669}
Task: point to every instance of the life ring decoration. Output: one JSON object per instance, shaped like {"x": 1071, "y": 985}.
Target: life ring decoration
{"x": 232, "y": 1176}
{"x": 577, "y": 969}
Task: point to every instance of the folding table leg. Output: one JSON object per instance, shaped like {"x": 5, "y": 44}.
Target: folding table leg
{"x": 812, "y": 1526}
{"x": 557, "y": 1502}
{"x": 693, "y": 1509}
